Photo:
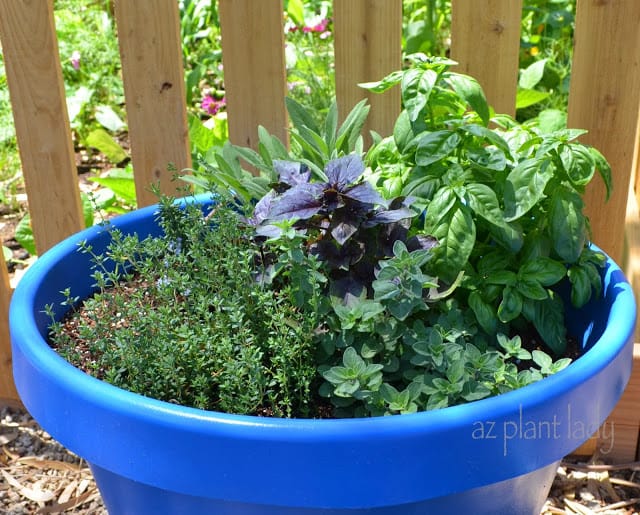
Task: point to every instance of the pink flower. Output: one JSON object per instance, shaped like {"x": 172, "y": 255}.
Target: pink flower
{"x": 75, "y": 60}
{"x": 212, "y": 105}
{"x": 320, "y": 27}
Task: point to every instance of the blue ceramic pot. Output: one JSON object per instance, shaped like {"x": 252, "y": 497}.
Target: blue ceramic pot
{"x": 493, "y": 456}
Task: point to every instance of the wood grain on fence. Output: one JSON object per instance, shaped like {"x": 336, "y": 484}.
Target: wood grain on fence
{"x": 485, "y": 40}
{"x": 254, "y": 68}
{"x": 34, "y": 77}
{"x": 8, "y": 393}
{"x": 368, "y": 46}
{"x": 604, "y": 99}
{"x": 152, "y": 70}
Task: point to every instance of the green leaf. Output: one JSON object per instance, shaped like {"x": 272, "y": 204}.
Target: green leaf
{"x": 402, "y": 133}
{"x": 488, "y": 158}
{"x": 24, "y": 235}
{"x": 578, "y": 162}
{"x": 104, "y": 142}
{"x": 107, "y": 117}
{"x": 542, "y": 359}
{"x": 87, "y": 209}
{"x": 352, "y": 361}
{"x": 295, "y": 9}
{"x": 603, "y": 168}
{"x": 434, "y": 146}
{"x": 544, "y": 270}
{"x": 456, "y": 235}
{"x": 484, "y": 202}
{"x": 511, "y": 305}
{"x": 504, "y": 277}
{"x": 299, "y": 116}
{"x": 488, "y": 135}
{"x": 272, "y": 147}
{"x": 76, "y": 101}
{"x": 580, "y": 286}
{"x": 524, "y": 187}
{"x": 331, "y": 125}
{"x": 351, "y": 128}
{"x": 384, "y": 84}
{"x": 567, "y": 224}
{"x": 484, "y": 313}
{"x": 199, "y": 136}
{"x": 547, "y": 317}
{"x": 551, "y": 120}
{"x": 417, "y": 84}
{"x": 443, "y": 201}
{"x": 529, "y": 97}
{"x": 470, "y": 90}
{"x": 532, "y": 74}
{"x": 531, "y": 289}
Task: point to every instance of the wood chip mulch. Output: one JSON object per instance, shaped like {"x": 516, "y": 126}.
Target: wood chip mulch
{"x": 39, "y": 476}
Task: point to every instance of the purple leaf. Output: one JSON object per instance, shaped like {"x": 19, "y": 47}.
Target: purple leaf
{"x": 302, "y": 202}
{"x": 421, "y": 242}
{"x": 268, "y": 231}
{"x": 292, "y": 173}
{"x": 343, "y": 231}
{"x": 344, "y": 171}
{"x": 386, "y": 217}
{"x": 261, "y": 211}
{"x": 364, "y": 193}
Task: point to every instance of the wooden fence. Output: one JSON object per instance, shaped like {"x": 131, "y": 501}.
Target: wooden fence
{"x": 604, "y": 98}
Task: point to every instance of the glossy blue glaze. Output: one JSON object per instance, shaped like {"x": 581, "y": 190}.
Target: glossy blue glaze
{"x": 150, "y": 453}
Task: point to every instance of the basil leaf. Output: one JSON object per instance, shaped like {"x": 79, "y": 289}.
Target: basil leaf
{"x": 524, "y": 187}
{"x": 567, "y": 224}
{"x": 470, "y": 90}
{"x": 484, "y": 313}
{"x": 546, "y": 271}
{"x": 434, "y": 146}
{"x": 456, "y": 235}
{"x": 511, "y": 305}
{"x": 580, "y": 286}
{"x": 484, "y": 202}
{"x": 417, "y": 85}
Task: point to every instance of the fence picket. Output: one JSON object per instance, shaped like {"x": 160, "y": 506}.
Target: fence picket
{"x": 604, "y": 98}
{"x": 254, "y": 68}
{"x": 8, "y": 393}
{"x": 368, "y": 46}
{"x": 151, "y": 55}
{"x": 485, "y": 40}
{"x": 34, "y": 77}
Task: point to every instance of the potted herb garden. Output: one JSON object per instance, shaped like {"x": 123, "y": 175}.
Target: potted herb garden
{"x": 421, "y": 328}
